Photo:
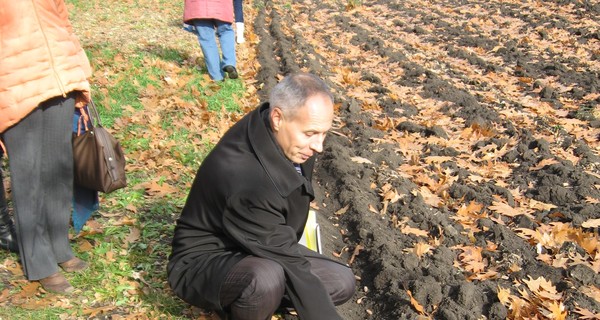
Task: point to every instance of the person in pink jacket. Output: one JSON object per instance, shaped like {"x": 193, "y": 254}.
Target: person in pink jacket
{"x": 43, "y": 77}
{"x": 208, "y": 16}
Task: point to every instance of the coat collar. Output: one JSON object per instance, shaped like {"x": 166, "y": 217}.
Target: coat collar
{"x": 280, "y": 170}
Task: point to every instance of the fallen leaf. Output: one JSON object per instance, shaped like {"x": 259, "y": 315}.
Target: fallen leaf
{"x": 415, "y": 303}
{"x": 506, "y": 210}
{"x": 133, "y": 236}
{"x": 361, "y": 160}
{"x": 415, "y": 231}
{"x": 591, "y": 223}
{"x": 355, "y": 253}
{"x": 586, "y": 314}
{"x": 342, "y": 210}
{"x": 503, "y": 295}
{"x": 542, "y": 164}
{"x": 372, "y": 209}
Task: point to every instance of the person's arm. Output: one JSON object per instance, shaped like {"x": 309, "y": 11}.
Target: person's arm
{"x": 255, "y": 222}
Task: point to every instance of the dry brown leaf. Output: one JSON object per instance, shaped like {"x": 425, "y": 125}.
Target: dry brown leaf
{"x": 4, "y": 295}
{"x": 586, "y": 314}
{"x": 486, "y": 275}
{"x": 84, "y": 245}
{"x": 13, "y": 267}
{"x": 415, "y": 303}
{"x": 543, "y": 288}
{"x": 503, "y": 295}
{"x": 592, "y": 200}
{"x": 506, "y": 210}
{"x": 591, "y": 223}
{"x": 361, "y": 160}
{"x": 542, "y": 164}
{"x": 538, "y": 205}
{"x": 372, "y": 209}
{"x": 133, "y": 236}
{"x": 93, "y": 312}
{"x": 592, "y": 292}
{"x": 420, "y": 249}
{"x": 415, "y": 231}
{"x": 555, "y": 310}
{"x": 355, "y": 253}
{"x": 429, "y": 197}
{"x": 391, "y": 196}
{"x": 342, "y": 210}
{"x": 437, "y": 159}
{"x": 28, "y": 290}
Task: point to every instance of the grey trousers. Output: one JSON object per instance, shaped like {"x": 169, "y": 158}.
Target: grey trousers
{"x": 40, "y": 155}
{"x": 255, "y": 287}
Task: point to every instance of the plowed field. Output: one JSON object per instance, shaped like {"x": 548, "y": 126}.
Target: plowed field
{"x": 461, "y": 180}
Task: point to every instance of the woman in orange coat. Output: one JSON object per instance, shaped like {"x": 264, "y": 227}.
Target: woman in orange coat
{"x": 43, "y": 76}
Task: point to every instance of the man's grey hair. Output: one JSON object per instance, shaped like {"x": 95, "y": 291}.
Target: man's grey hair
{"x": 291, "y": 93}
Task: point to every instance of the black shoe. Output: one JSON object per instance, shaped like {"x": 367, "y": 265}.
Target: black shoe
{"x": 231, "y": 71}
{"x": 8, "y": 235}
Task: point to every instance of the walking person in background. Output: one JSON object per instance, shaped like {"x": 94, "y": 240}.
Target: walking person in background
{"x": 209, "y": 17}
{"x": 235, "y": 247}
{"x": 43, "y": 77}
{"x": 238, "y": 8}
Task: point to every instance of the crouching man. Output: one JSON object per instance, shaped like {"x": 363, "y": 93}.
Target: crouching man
{"x": 235, "y": 248}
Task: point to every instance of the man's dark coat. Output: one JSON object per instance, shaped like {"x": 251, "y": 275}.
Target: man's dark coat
{"x": 247, "y": 199}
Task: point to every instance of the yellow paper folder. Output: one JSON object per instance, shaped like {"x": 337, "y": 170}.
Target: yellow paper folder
{"x": 311, "y": 238}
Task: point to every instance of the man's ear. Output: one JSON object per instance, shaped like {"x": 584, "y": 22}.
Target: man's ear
{"x": 276, "y": 119}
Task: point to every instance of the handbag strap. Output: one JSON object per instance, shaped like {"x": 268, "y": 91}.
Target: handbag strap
{"x": 93, "y": 114}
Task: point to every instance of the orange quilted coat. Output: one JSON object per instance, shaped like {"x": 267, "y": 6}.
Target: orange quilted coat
{"x": 40, "y": 57}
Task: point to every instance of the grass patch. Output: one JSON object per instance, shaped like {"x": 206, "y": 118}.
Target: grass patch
{"x": 152, "y": 96}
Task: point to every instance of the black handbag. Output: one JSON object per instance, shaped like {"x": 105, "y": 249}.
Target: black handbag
{"x": 98, "y": 160}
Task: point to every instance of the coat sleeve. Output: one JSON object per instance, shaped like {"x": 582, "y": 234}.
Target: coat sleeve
{"x": 256, "y": 222}
{"x": 83, "y": 59}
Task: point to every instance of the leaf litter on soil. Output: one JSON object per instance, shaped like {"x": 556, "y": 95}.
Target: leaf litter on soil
{"x": 462, "y": 179}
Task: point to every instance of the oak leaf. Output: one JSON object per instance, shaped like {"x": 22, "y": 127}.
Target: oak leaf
{"x": 503, "y": 295}
{"x": 586, "y": 314}
{"x": 506, "y": 210}
{"x": 420, "y": 249}
{"x": 592, "y": 292}
{"x": 555, "y": 310}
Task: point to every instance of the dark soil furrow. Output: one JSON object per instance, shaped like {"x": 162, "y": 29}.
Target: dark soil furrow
{"x": 463, "y": 75}
{"x": 515, "y": 51}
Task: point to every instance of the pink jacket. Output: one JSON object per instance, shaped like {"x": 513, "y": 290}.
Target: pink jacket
{"x": 208, "y": 9}
{"x": 40, "y": 57}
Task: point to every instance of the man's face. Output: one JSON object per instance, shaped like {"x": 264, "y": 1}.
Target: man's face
{"x": 301, "y": 136}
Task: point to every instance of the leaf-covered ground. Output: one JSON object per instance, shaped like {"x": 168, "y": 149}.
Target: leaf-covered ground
{"x": 461, "y": 179}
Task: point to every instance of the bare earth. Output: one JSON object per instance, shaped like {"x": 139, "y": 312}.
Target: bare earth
{"x": 462, "y": 177}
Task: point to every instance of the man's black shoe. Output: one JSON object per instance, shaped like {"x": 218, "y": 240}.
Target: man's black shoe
{"x": 231, "y": 71}
{"x": 8, "y": 236}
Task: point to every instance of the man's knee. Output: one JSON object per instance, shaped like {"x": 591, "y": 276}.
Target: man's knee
{"x": 268, "y": 279}
{"x": 346, "y": 286}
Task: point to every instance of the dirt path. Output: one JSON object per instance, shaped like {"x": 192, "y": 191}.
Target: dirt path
{"x": 461, "y": 179}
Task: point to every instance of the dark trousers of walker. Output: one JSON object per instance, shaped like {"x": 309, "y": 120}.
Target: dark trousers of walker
{"x": 255, "y": 287}
{"x": 40, "y": 156}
